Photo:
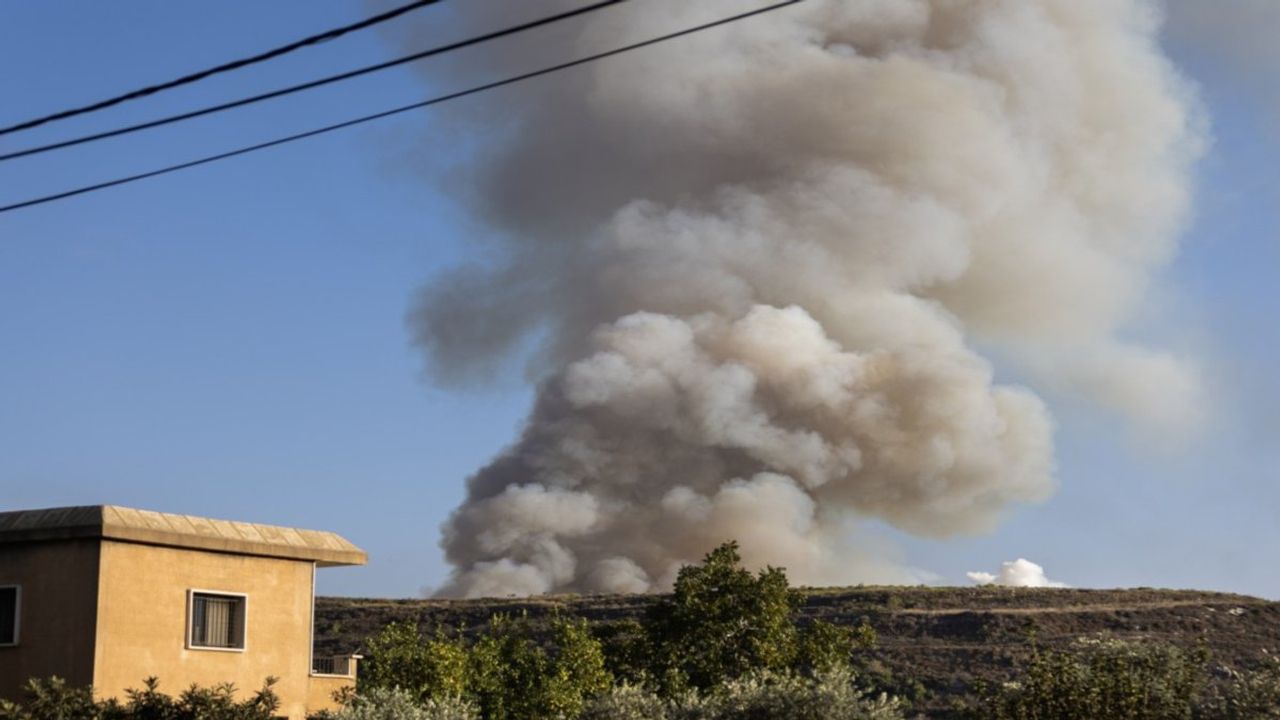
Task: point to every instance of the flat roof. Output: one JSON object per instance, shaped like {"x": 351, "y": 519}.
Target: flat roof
{"x": 112, "y": 522}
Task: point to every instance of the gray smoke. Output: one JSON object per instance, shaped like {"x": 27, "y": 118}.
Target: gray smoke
{"x": 758, "y": 265}
{"x": 1237, "y": 36}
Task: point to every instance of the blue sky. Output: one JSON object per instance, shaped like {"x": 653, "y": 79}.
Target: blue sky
{"x": 231, "y": 341}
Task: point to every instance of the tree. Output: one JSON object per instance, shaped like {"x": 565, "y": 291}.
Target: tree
{"x": 399, "y": 657}
{"x": 505, "y": 674}
{"x": 722, "y": 622}
{"x": 826, "y": 647}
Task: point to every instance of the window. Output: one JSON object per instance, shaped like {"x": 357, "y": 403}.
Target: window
{"x": 217, "y": 621}
{"x": 10, "y": 606}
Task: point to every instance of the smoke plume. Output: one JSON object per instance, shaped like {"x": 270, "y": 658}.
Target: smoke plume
{"x": 1019, "y": 573}
{"x": 1238, "y": 36}
{"x": 761, "y": 266}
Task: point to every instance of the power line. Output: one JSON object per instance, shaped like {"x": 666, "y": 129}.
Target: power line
{"x": 225, "y": 67}
{"x": 396, "y": 111}
{"x": 314, "y": 83}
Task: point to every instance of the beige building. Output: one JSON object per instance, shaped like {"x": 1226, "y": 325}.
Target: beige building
{"x": 107, "y": 596}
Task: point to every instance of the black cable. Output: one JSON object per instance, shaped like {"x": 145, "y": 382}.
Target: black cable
{"x": 225, "y": 67}
{"x": 314, "y": 83}
{"x": 406, "y": 108}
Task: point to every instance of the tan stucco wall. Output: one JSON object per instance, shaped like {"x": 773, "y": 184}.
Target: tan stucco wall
{"x": 59, "y": 607}
{"x": 142, "y": 622}
{"x": 322, "y": 689}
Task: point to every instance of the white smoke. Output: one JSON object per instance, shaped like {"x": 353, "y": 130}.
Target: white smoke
{"x": 760, "y": 261}
{"x": 1019, "y": 573}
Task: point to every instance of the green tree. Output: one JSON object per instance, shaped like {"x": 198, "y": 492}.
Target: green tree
{"x": 722, "y": 622}
{"x": 579, "y": 671}
{"x": 826, "y": 647}
{"x": 507, "y": 671}
{"x": 399, "y": 657}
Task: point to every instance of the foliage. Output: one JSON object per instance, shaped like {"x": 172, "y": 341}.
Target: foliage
{"x": 505, "y": 673}
{"x": 1248, "y": 695}
{"x": 626, "y": 650}
{"x": 1102, "y": 680}
{"x": 831, "y": 695}
{"x": 53, "y": 699}
{"x": 399, "y": 658}
{"x": 399, "y": 704}
{"x": 722, "y": 622}
{"x": 580, "y": 672}
{"x": 628, "y": 702}
{"x": 765, "y": 696}
{"x": 825, "y": 647}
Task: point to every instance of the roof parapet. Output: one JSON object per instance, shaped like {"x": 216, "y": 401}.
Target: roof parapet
{"x": 112, "y": 522}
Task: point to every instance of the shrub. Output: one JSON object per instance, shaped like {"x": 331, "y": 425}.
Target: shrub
{"x": 53, "y": 699}
{"x": 766, "y": 696}
{"x": 827, "y": 696}
{"x": 1101, "y": 680}
{"x": 505, "y": 674}
{"x": 400, "y": 704}
{"x": 1248, "y": 696}
{"x": 627, "y": 702}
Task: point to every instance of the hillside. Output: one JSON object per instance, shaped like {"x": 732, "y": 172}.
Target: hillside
{"x": 933, "y": 642}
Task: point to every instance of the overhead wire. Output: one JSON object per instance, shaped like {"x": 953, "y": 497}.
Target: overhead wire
{"x": 403, "y": 109}
{"x": 222, "y": 107}
{"x": 218, "y": 69}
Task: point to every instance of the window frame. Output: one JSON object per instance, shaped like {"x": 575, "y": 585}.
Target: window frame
{"x": 191, "y": 619}
{"x": 17, "y": 614}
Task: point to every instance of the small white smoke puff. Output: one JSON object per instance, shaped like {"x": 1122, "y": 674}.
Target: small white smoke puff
{"x": 759, "y": 261}
{"x": 1019, "y": 573}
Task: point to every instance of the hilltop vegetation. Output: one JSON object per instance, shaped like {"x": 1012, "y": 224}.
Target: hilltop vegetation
{"x": 936, "y": 649}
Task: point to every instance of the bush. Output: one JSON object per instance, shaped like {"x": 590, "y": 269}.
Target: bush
{"x": 1101, "y": 680}
{"x": 1248, "y": 696}
{"x": 827, "y": 696}
{"x": 399, "y": 704}
{"x": 505, "y": 674}
{"x": 53, "y": 699}
{"x": 628, "y": 702}
{"x": 789, "y": 696}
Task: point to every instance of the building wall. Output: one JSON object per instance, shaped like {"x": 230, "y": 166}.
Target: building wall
{"x": 142, "y": 622}
{"x": 322, "y": 691}
{"x": 57, "y": 615}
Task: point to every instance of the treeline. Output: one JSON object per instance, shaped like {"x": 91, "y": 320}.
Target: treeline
{"x": 727, "y": 644}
